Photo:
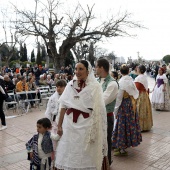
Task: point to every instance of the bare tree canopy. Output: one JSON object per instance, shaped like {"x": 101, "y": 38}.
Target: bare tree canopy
{"x": 9, "y": 39}
{"x": 61, "y": 30}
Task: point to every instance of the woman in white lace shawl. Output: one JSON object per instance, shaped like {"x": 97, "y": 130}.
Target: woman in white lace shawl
{"x": 82, "y": 123}
{"x": 127, "y": 131}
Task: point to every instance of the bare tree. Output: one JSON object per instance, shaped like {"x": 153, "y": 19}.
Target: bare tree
{"x": 100, "y": 52}
{"x": 81, "y": 49}
{"x": 56, "y": 26}
{"x": 10, "y": 39}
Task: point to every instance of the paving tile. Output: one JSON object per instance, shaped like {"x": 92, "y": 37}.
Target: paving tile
{"x": 151, "y": 168}
{"x": 24, "y": 138}
{"x": 5, "y": 151}
{"x": 166, "y": 140}
{"x": 23, "y": 165}
{"x": 17, "y": 147}
{"x": 129, "y": 164}
{"x": 146, "y": 159}
{"x": 9, "y": 142}
{"x": 16, "y": 131}
{"x": 157, "y": 130}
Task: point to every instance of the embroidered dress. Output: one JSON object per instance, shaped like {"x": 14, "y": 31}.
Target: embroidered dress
{"x": 127, "y": 131}
{"x": 144, "y": 108}
{"x": 83, "y": 144}
{"x": 160, "y": 98}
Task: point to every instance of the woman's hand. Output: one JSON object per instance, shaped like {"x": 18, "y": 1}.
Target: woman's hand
{"x": 164, "y": 90}
{"x": 60, "y": 131}
{"x": 152, "y": 90}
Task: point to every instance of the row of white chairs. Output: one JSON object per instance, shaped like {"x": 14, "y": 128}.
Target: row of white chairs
{"x": 45, "y": 93}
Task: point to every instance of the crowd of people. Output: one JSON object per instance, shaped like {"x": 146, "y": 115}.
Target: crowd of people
{"x": 91, "y": 113}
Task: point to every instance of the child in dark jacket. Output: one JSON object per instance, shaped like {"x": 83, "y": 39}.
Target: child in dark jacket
{"x": 40, "y": 146}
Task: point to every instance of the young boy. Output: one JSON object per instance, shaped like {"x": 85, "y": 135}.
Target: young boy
{"x": 52, "y": 112}
{"x": 40, "y": 146}
{"x": 53, "y": 104}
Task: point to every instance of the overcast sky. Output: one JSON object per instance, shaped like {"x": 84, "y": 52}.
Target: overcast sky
{"x": 151, "y": 43}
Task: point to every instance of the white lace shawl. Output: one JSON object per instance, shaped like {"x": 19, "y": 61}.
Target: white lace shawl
{"x": 143, "y": 80}
{"x": 98, "y": 131}
{"x": 126, "y": 83}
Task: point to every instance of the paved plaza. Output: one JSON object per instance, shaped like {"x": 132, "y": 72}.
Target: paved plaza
{"x": 152, "y": 154}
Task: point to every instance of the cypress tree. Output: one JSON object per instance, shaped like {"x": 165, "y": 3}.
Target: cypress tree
{"x": 32, "y": 56}
{"x": 25, "y": 53}
{"x": 43, "y": 53}
{"x": 38, "y": 60}
{"x": 21, "y": 52}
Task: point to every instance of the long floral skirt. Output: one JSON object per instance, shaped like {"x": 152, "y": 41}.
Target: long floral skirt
{"x": 144, "y": 110}
{"x": 127, "y": 131}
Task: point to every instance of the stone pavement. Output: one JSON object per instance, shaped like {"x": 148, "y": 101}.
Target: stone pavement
{"x": 152, "y": 154}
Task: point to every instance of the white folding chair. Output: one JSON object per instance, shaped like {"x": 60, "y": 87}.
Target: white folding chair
{"x": 14, "y": 103}
{"x": 36, "y": 100}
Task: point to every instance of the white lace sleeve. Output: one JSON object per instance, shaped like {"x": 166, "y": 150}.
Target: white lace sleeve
{"x": 118, "y": 101}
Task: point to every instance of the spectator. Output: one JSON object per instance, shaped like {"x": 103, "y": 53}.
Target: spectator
{"x": 70, "y": 69}
{"x": 32, "y": 87}
{"x": 10, "y": 75}
{"x": 66, "y": 70}
{"x": 50, "y": 82}
{"x": 22, "y": 70}
{"x": 23, "y": 86}
{"x": 38, "y": 72}
{"x": 41, "y": 81}
{"x": 62, "y": 70}
{"x": 18, "y": 78}
{"x": 9, "y": 86}
{"x": 56, "y": 78}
